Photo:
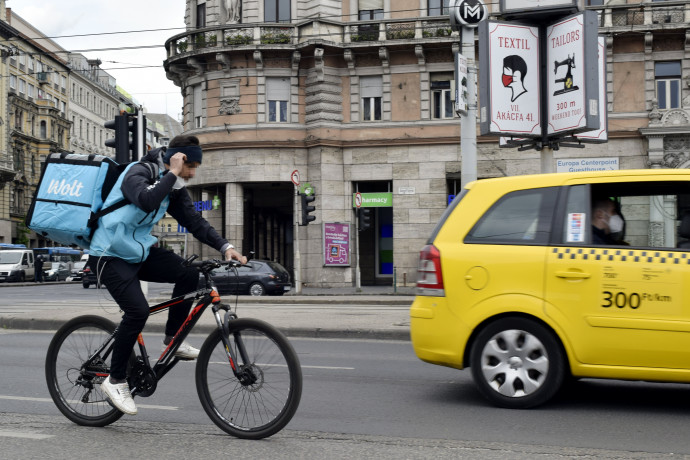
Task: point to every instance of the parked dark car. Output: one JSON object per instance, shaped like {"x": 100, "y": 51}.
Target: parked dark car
{"x": 78, "y": 270}
{"x": 259, "y": 277}
{"x": 56, "y": 271}
{"x": 89, "y": 278}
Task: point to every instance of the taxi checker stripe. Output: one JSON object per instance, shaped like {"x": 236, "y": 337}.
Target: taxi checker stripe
{"x": 621, "y": 255}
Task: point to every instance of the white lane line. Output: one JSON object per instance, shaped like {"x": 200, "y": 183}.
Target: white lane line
{"x": 303, "y": 366}
{"x": 24, "y": 434}
{"x": 23, "y": 398}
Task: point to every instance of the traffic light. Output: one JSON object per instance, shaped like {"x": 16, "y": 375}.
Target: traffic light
{"x": 364, "y": 219}
{"x": 128, "y": 147}
{"x": 121, "y": 141}
{"x": 306, "y": 209}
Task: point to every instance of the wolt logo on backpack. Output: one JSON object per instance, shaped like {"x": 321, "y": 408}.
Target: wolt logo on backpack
{"x": 62, "y": 188}
{"x": 70, "y": 196}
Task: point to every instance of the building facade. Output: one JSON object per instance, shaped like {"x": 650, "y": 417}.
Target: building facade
{"x": 355, "y": 96}
{"x": 52, "y": 101}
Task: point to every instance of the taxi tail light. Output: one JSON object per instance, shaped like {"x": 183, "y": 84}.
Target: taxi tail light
{"x": 429, "y": 274}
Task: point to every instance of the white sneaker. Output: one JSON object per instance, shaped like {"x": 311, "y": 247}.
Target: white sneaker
{"x": 186, "y": 351}
{"x": 119, "y": 396}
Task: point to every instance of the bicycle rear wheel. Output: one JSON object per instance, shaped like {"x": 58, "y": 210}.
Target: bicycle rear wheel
{"x": 267, "y": 398}
{"x": 74, "y": 387}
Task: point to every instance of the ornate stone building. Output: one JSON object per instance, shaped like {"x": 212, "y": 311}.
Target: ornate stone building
{"x": 356, "y": 96}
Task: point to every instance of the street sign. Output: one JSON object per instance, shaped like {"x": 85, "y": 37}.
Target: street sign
{"x": 510, "y": 95}
{"x": 460, "y": 84}
{"x": 358, "y": 200}
{"x": 537, "y": 8}
{"x": 467, "y": 13}
{"x": 573, "y": 74}
{"x": 295, "y": 177}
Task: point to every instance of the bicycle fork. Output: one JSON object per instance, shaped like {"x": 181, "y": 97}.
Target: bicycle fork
{"x": 243, "y": 371}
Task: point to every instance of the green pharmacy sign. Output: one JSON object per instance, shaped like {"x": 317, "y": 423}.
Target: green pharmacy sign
{"x": 374, "y": 200}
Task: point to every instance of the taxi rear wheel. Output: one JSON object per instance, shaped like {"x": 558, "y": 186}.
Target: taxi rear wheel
{"x": 517, "y": 363}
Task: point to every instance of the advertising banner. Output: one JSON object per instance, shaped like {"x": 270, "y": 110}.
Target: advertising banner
{"x": 573, "y": 81}
{"x": 510, "y": 99}
{"x": 336, "y": 244}
{"x": 600, "y": 135}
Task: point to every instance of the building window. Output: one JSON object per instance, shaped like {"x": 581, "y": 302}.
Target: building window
{"x": 44, "y": 129}
{"x": 201, "y": 16}
{"x": 277, "y": 11}
{"x": 22, "y": 86}
{"x": 441, "y": 104}
{"x": 13, "y": 82}
{"x": 198, "y": 107}
{"x": 438, "y": 8}
{"x": 667, "y": 76}
{"x": 278, "y": 96}
{"x": 371, "y": 90}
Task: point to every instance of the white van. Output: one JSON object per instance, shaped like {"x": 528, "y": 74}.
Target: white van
{"x": 16, "y": 265}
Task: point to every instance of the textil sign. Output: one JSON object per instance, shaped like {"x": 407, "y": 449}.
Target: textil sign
{"x": 509, "y": 93}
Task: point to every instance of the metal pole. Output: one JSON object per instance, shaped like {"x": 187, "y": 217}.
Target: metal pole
{"x": 298, "y": 260}
{"x": 468, "y": 122}
{"x": 358, "y": 274}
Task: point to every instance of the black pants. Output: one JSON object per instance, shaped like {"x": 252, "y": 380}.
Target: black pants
{"x": 38, "y": 274}
{"x": 122, "y": 281}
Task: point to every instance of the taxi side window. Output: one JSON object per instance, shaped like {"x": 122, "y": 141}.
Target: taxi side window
{"x": 654, "y": 214}
{"x": 521, "y": 217}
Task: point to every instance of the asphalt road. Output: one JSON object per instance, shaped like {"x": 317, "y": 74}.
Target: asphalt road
{"x": 361, "y": 398}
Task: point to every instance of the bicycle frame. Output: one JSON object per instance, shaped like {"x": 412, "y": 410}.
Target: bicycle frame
{"x": 208, "y": 296}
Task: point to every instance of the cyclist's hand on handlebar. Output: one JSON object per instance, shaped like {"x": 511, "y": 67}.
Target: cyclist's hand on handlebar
{"x": 233, "y": 254}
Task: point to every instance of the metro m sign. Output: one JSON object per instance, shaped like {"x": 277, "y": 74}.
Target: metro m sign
{"x": 510, "y": 90}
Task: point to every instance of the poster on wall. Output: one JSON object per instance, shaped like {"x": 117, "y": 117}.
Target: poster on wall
{"x": 336, "y": 244}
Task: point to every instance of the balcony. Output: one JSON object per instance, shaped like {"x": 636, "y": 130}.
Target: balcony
{"x": 311, "y": 31}
{"x": 644, "y": 16}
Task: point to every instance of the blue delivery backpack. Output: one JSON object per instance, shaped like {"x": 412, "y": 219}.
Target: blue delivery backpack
{"x": 69, "y": 199}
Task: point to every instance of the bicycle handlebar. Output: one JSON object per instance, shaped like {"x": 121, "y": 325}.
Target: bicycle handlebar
{"x": 208, "y": 265}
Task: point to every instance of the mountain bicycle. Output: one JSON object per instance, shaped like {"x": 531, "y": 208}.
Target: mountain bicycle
{"x": 248, "y": 376}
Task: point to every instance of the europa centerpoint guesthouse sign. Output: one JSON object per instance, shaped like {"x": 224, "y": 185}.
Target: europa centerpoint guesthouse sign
{"x": 510, "y": 96}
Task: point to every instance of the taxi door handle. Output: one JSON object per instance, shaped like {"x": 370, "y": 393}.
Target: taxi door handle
{"x": 572, "y": 275}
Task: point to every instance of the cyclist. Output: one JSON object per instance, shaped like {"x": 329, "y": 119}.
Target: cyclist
{"x": 123, "y": 252}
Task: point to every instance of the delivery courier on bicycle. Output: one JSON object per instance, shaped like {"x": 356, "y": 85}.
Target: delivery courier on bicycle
{"x": 123, "y": 253}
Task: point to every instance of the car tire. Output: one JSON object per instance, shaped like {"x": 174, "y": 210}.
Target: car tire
{"x": 22, "y": 277}
{"x": 517, "y": 363}
{"x": 257, "y": 289}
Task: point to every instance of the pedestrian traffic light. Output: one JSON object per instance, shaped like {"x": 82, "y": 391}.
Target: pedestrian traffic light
{"x": 364, "y": 219}
{"x": 130, "y": 136}
{"x": 307, "y": 209}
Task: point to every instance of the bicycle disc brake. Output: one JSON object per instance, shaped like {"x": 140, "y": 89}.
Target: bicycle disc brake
{"x": 142, "y": 380}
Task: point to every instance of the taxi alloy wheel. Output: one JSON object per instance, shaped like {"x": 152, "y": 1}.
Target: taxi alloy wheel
{"x": 517, "y": 363}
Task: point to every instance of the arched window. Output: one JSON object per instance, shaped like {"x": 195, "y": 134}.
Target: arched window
{"x": 44, "y": 129}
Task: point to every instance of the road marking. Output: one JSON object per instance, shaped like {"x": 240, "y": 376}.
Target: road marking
{"x": 24, "y": 398}
{"x": 303, "y": 366}
{"x": 25, "y": 435}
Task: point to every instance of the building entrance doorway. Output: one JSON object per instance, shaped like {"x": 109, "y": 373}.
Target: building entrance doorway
{"x": 268, "y": 220}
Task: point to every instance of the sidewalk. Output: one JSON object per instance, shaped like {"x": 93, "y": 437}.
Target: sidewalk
{"x": 373, "y": 312}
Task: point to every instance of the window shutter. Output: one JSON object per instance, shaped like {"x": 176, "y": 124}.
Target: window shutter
{"x": 371, "y": 86}
{"x": 278, "y": 89}
{"x": 366, "y": 5}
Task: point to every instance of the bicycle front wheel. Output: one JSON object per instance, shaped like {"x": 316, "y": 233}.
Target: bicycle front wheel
{"x": 74, "y": 385}
{"x": 264, "y": 398}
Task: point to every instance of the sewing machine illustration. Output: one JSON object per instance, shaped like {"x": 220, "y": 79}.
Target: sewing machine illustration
{"x": 568, "y": 84}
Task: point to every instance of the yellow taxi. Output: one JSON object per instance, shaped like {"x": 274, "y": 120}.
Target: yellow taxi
{"x": 530, "y": 280}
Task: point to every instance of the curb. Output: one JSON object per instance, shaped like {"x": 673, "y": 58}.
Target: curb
{"x": 403, "y": 334}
